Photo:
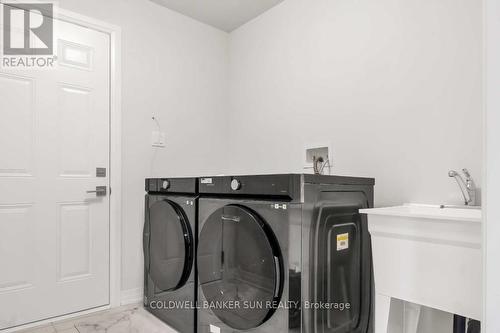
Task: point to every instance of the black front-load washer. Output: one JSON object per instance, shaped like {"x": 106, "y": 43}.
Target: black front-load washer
{"x": 169, "y": 244}
{"x": 284, "y": 253}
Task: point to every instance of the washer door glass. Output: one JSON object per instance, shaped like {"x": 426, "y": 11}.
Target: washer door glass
{"x": 240, "y": 267}
{"x": 170, "y": 246}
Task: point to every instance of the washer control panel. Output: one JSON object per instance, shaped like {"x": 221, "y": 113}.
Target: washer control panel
{"x": 172, "y": 185}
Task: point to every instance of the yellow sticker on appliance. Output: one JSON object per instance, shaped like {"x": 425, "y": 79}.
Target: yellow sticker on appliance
{"x": 342, "y": 241}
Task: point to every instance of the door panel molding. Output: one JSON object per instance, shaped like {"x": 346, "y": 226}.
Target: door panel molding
{"x": 74, "y": 217}
{"x": 16, "y": 219}
{"x": 75, "y": 55}
{"x": 18, "y": 141}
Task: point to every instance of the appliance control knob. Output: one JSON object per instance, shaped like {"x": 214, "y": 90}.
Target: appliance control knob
{"x": 165, "y": 184}
{"x": 235, "y": 184}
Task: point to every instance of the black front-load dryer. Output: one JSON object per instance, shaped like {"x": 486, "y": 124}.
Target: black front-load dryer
{"x": 284, "y": 253}
{"x": 169, "y": 243}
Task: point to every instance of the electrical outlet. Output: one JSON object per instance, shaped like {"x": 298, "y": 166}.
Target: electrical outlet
{"x": 158, "y": 139}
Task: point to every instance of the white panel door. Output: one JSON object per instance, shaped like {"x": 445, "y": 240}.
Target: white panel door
{"x": 54, "y": 133}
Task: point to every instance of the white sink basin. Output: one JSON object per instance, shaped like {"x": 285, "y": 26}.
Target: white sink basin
{"x": 429, "y": 212}
{"x": 427, "y": 255}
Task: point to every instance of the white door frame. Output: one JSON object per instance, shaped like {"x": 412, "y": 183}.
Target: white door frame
{"x": 115, "y": 163}
{"x": 491, "y": 183}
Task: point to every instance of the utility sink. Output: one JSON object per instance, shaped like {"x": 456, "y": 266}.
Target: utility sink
{"x": 441, "y": 212}
{"x": 427, "y": 255}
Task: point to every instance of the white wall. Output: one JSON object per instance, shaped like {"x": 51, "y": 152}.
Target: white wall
{"x": 175, "y": 68}
{"x": 394, "y": 86}
{"x": 491, "y": 230}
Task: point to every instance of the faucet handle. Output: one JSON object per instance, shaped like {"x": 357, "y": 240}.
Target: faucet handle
{"x": 466, "y": 173}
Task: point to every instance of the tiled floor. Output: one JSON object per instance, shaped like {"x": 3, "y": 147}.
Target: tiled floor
{"x": 128, "y": 319}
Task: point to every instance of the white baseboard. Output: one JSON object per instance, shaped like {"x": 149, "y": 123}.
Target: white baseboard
{"x": 131, "y": 296}
{"x": 54, "y": 320}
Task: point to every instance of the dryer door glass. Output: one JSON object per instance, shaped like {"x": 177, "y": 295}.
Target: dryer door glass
{"x": 240, "y": 267}
{"x": 170, "y": 246}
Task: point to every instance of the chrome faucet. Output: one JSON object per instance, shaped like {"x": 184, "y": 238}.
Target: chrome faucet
{"x": 467, "y": 186}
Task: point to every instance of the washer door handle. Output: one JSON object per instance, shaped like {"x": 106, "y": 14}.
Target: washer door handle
{"x": 278, "y": 276}
{"x": 231, "y": 218}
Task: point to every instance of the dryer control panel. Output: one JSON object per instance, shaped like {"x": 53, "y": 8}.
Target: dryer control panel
{"x": 171, "y": 185}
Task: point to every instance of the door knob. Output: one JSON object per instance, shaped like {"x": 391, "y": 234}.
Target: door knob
{"x": 100, "y": 191}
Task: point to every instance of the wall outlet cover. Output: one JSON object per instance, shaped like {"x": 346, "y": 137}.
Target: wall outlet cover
{"x": 158, "y": 139}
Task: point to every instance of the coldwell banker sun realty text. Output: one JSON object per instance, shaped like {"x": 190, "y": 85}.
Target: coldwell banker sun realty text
{"x": 28, "y": 35}
{"x": 248, "y": 305}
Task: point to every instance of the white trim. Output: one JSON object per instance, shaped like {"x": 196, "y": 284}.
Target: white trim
{"x": 48, "y": 321}
{"x": 484, "y": 185}
{"x": 491, "y": 184}
{"x": 116, "y": 169}
{"x": 131, "y": 296}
